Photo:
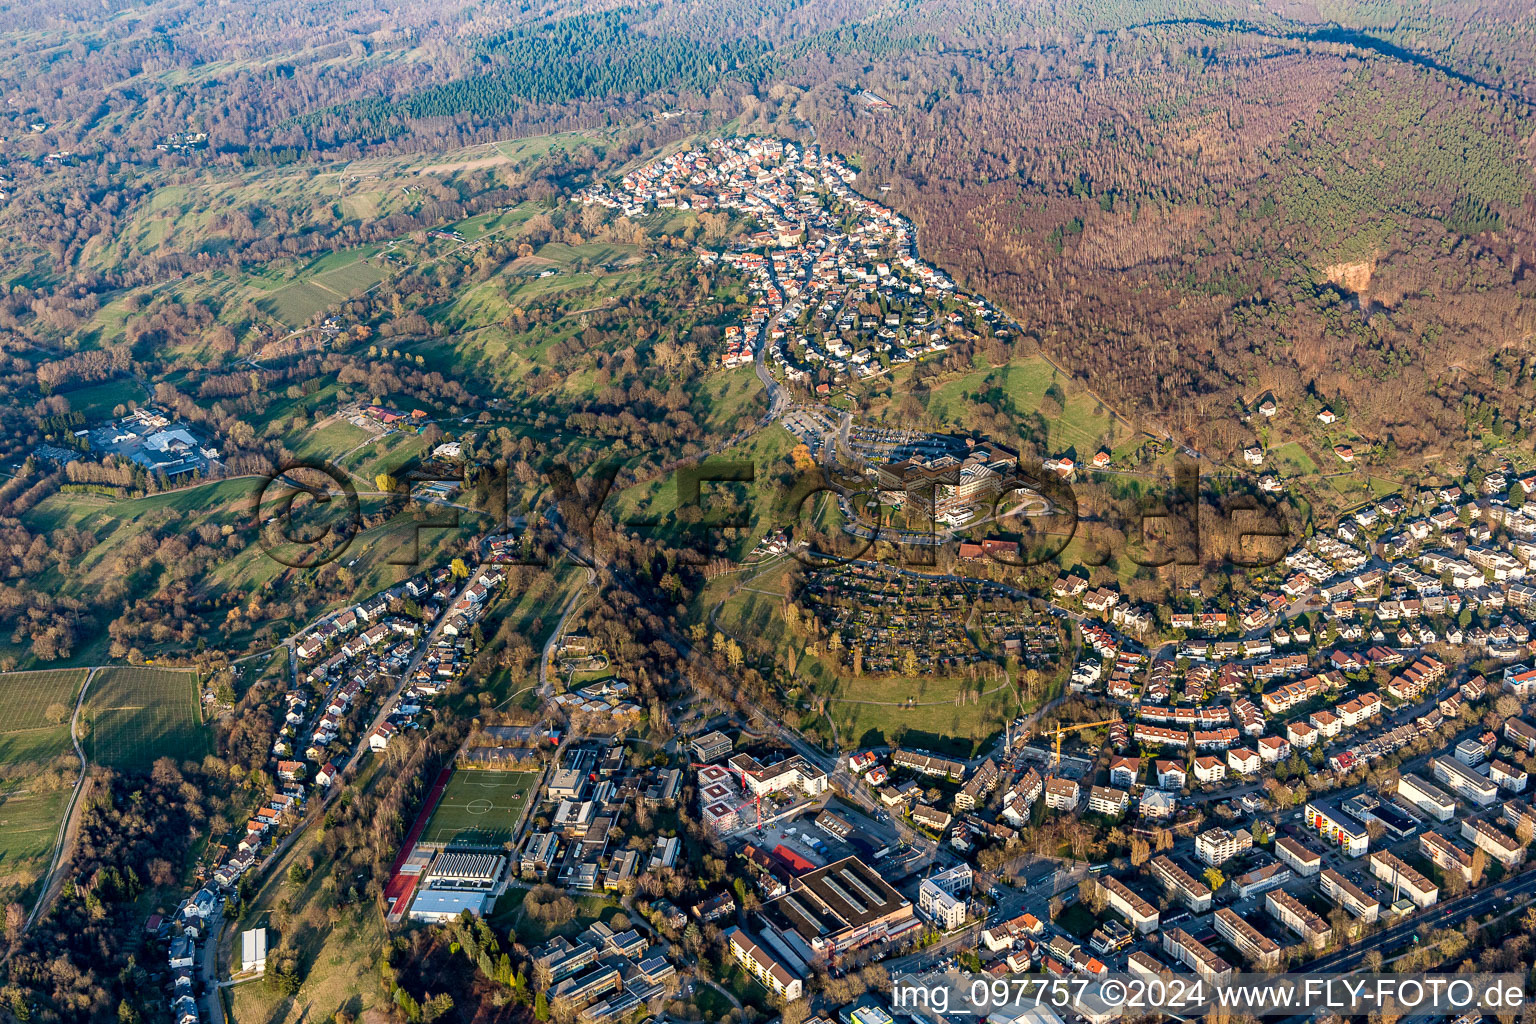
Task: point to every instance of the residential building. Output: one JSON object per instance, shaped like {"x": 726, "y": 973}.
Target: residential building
{"x": 1298, "y": 857}
{"x": 941, "y": 897}
{"x": 927, "y": 764}
{"x": 1446, "y": 855}
{"x": 1216, "y": 846}
{"x": 1500, "y": 846}
{"x": 1111, "y": 802}
{"x": 1188, "y": 950}
{"x": 1348, "y": 895}
{"x": 1260, "y": 879}
{"x": 1341, "y": 829}
{"x": 1138, "y": 913}
{"x": 1508, "y": 777}
{"x": 1299, "y": 918}
{"x": 1426, "y": 796}
{"x": 1257, "y": 948}
{"x": 1405, "y": 881}
{"x": 982, "y": 781}
{"x": 711, "y": 746}
{"x": 1243, "y": 761}
{"x": 1195, "y": 894}
{"x": 1123, "y": 771}
{"x": 763, "y": 965}
{"x": 1061, "y": 794}
{"x": 1209, "y": 769}
{"x": 1463, "y": 781}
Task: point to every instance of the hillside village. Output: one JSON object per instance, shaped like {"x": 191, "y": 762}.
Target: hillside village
{"x": 1329, "y": 757}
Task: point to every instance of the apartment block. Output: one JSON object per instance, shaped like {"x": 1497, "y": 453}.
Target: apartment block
{"x": 1297, "y": 857}
{"x": 763, "y": 965}
{"x": 1405, "y": 881}
{"x": 1259, "y": 949}
{"x": 1062, "y": 794}
{"x": 1427, "y": 797}
{"x": 1340, "y": 828}
{"x": 1260, "y": 879}
{"x": 1298, "y": 917}
{"x": 1498, "y": 845}
{"x": 1188, "y": 950}
{"x": 1140, "y": 914}
{"x": 1183, "y": 886}
{"x": 1349, "y": 895}
{"x": 1107, "y": 801}
{"x": 1446, "y": 855}
{"x": 1508, "y": 777}
{"x": 1464, "y": 782}
{"x": 1217, "y": 846}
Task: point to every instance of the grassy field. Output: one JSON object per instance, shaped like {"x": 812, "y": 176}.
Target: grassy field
{"x": 480, "y": 807}
{"x": 1020, "y": 388}
{"x": 97, "y": 401}
{"x": 938, "y": 713}
{"x": 137, "y": 715}
{"x": 29, "y": 824}
{"x": 339, "y": 955}
{"x": 33, "y": 794}
{"x": 760, "y": 500}
{"x": 26, "y": 734}
{"x": 1291, "y": 460}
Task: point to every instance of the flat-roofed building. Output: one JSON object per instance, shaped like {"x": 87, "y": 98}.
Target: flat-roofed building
{"x": 1348, "y": 895}
{"x": 539, "y": 853}
{"x": 1343, "y": 830}
{"x": 839, "y": 907}
{"x": 1298, "y": 857}
{"x": 1298, "y": 917}
{"x": 1216, "y": 846}
{"x": 1426, "y": 796}
{"x": 1194, "y": 954}
{"x": 567, "y": 784}
{"x": 1138, "y": 913}
{"x": 1521, "y": 733}
{"x": 711, "y": 746}
{"x": 764, "y": 965}
{"x": 1500, "y": 846}
{"x": 791, "y": 773}
{"x": 1257, "y": 948}
{"x": 1181, "y": 885}
{"x": 1463, "y": 781}
{"x": 941, "y": 897}
{"x": 1404, "y": 880}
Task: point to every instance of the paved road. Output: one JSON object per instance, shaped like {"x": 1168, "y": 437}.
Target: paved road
{"x": 1515, "y": 888}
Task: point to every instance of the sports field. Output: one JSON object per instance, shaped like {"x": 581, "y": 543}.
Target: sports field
{"x": 27, "y": 733}
{"x": 480, "y": 807}
{"x": 138, "y": 715}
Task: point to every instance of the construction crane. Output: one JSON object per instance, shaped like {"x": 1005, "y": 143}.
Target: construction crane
{"x": 1062, "y": 730}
